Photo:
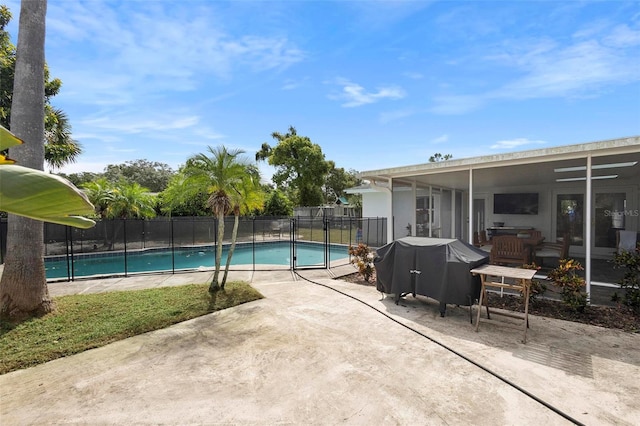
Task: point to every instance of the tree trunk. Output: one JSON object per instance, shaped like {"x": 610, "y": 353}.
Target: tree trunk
{"x": 234, "y": 236}
{"x": 215, "y": 286}
{"x": 23, "y": 287}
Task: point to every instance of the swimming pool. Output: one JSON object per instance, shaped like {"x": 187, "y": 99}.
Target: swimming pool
{"x": 156, "y": 260}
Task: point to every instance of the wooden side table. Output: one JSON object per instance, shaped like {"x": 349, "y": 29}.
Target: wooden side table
{"x": 493, "y": 276}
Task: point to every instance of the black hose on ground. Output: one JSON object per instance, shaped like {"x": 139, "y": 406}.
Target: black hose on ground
{"x": 453, "y": 351}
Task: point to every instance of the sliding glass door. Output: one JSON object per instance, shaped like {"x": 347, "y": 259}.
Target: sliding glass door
{"x": 610, "y": 214}
{"x": 570, "y": 218}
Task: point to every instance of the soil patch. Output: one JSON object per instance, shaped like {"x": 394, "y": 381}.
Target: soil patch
{"x": 617, "y": 317}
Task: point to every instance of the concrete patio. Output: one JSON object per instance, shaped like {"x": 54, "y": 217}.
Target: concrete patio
{"x": 306, "y": 354}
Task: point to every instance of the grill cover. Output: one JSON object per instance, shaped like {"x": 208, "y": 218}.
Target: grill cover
{"x": 433, "y": 267}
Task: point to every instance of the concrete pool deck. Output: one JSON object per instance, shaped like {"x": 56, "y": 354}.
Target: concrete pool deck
{"x": 306, "y": 354}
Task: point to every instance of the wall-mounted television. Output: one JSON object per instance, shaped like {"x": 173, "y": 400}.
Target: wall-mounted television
{"x": 521, "y": 203}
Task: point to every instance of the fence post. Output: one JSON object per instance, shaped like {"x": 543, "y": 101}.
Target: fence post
{"x": 173, "y": 255}
{"x": 72, "y": 259}
{"x": 124, "y": 237}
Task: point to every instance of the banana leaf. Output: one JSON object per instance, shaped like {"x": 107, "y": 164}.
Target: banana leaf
{"x": 42, "y": 196}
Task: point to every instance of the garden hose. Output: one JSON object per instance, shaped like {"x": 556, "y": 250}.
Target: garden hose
{"x": 453, "y": 351}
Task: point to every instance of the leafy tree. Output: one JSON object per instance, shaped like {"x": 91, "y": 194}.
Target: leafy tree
{"x": 221, "y": 174}
{"x": 122, "y": 200}
{"x": 300, "y": 166}
{"x": 439, "y": 157}
{"x": 79, "y": 179}
{"x": 59, "y": 147}
{"x": 132, "y": 201}
{"x": 183, "y": 199}
{"x": 149, "y": 174}
{"x": 277, "y": 204}
{"x": 7, "y": 67}
{"x": 337, "y": 181}
{"x": 100, "y": 193}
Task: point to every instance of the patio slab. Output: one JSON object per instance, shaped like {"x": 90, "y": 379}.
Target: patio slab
{"x": 309, "y": 355}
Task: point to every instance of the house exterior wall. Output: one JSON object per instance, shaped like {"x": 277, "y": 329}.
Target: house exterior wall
{"x": 375, "y": 204}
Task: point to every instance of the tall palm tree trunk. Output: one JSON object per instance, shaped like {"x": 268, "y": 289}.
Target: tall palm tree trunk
{"x": 23, "y": 287}
{"x": 215, "y": 285}
{"x": 234, "y": 236}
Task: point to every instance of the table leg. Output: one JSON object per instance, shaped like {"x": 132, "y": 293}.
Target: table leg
{"x": 526, "y": 308}
{"x": 482, "y": 293}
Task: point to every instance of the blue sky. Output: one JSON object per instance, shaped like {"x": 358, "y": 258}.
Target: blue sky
{"x": 375, "y": 84}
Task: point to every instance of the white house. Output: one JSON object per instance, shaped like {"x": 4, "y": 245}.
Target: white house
{"x": 588, "y": 190}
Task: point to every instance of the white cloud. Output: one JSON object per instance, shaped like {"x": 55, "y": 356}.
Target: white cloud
{"x": 387, "y": 117}
{"x": 440, "y": 139}
{"x": 597, "y": 58}
{"x": 456, "y": 104}
{"x": 133, "y": 48}
{"x": 85, "y": 166}
{"x": 355, "y": 95}
{"x": 413, "y": 75}
{"x": 623, "y": 36}
{"x": 515, "y": 143}
{"x": 132, "y": 124}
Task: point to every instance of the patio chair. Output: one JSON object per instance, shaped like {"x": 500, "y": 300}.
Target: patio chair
{"x": 509, "y": 249}
{"x": 558, "y": 250}
{"x": 483, "y": 238}
{"x": 626, "y": 241}
{"x": 480, "y": 241}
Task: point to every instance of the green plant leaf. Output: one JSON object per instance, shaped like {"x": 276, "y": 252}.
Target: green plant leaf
{"x": 8, "y": 139}
{"x": 42, "y": 196}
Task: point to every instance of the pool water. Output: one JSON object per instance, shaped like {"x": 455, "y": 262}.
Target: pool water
{"x": 308, "y": 254}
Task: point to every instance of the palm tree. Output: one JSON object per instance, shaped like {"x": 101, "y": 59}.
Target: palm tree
{"x": 132, "y": 201}
{"x": 23, "y": 287}
{"x": 59, "y": 147}
{"x": 100, "y": 193}
{"x": 122, "y": 200}
{"x": 247, "y": 197}
{"x": 222, "y": 174}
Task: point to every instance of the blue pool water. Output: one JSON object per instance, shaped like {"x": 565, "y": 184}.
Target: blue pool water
{"x": 193, "y": 258}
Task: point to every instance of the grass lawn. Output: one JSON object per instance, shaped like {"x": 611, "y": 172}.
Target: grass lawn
{"x": 82, "y": 322}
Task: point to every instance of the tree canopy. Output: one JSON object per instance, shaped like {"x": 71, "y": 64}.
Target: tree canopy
{"x": 439, "y": 157}
{"x": 300, "y": 167}
{"x": 122, "y": 200}
{"x": 60, "y": 148}
{"x": 150, "y": 174}
{"x": 337, "y": 180}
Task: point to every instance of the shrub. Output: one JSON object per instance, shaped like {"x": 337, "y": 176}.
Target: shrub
{"x": 363, "y": 259}
{"x": 571, "y": 285}
{"x": 630, "y": 282}
{"x": 537, "y": 288}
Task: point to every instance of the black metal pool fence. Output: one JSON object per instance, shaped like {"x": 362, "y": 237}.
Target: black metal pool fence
{"x": 123, "y": 237}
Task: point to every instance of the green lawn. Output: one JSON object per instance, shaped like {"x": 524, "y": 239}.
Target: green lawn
{"x": 336, "y": 236}
{"x": 82, "y": 322}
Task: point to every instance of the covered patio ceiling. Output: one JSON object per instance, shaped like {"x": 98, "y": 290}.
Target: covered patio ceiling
{"x": 536, "y": 167}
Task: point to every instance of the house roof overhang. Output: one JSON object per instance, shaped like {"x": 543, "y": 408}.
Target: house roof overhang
{"x": 521, "y": 168}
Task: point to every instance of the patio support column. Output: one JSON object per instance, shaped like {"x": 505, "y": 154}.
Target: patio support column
{"x": 470, "y": 212}
{"x": 413, "y": 212}
{"x": 587, "y": 267}
{"x": 453, "y": 213}
{"x": 430, "y": 209}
